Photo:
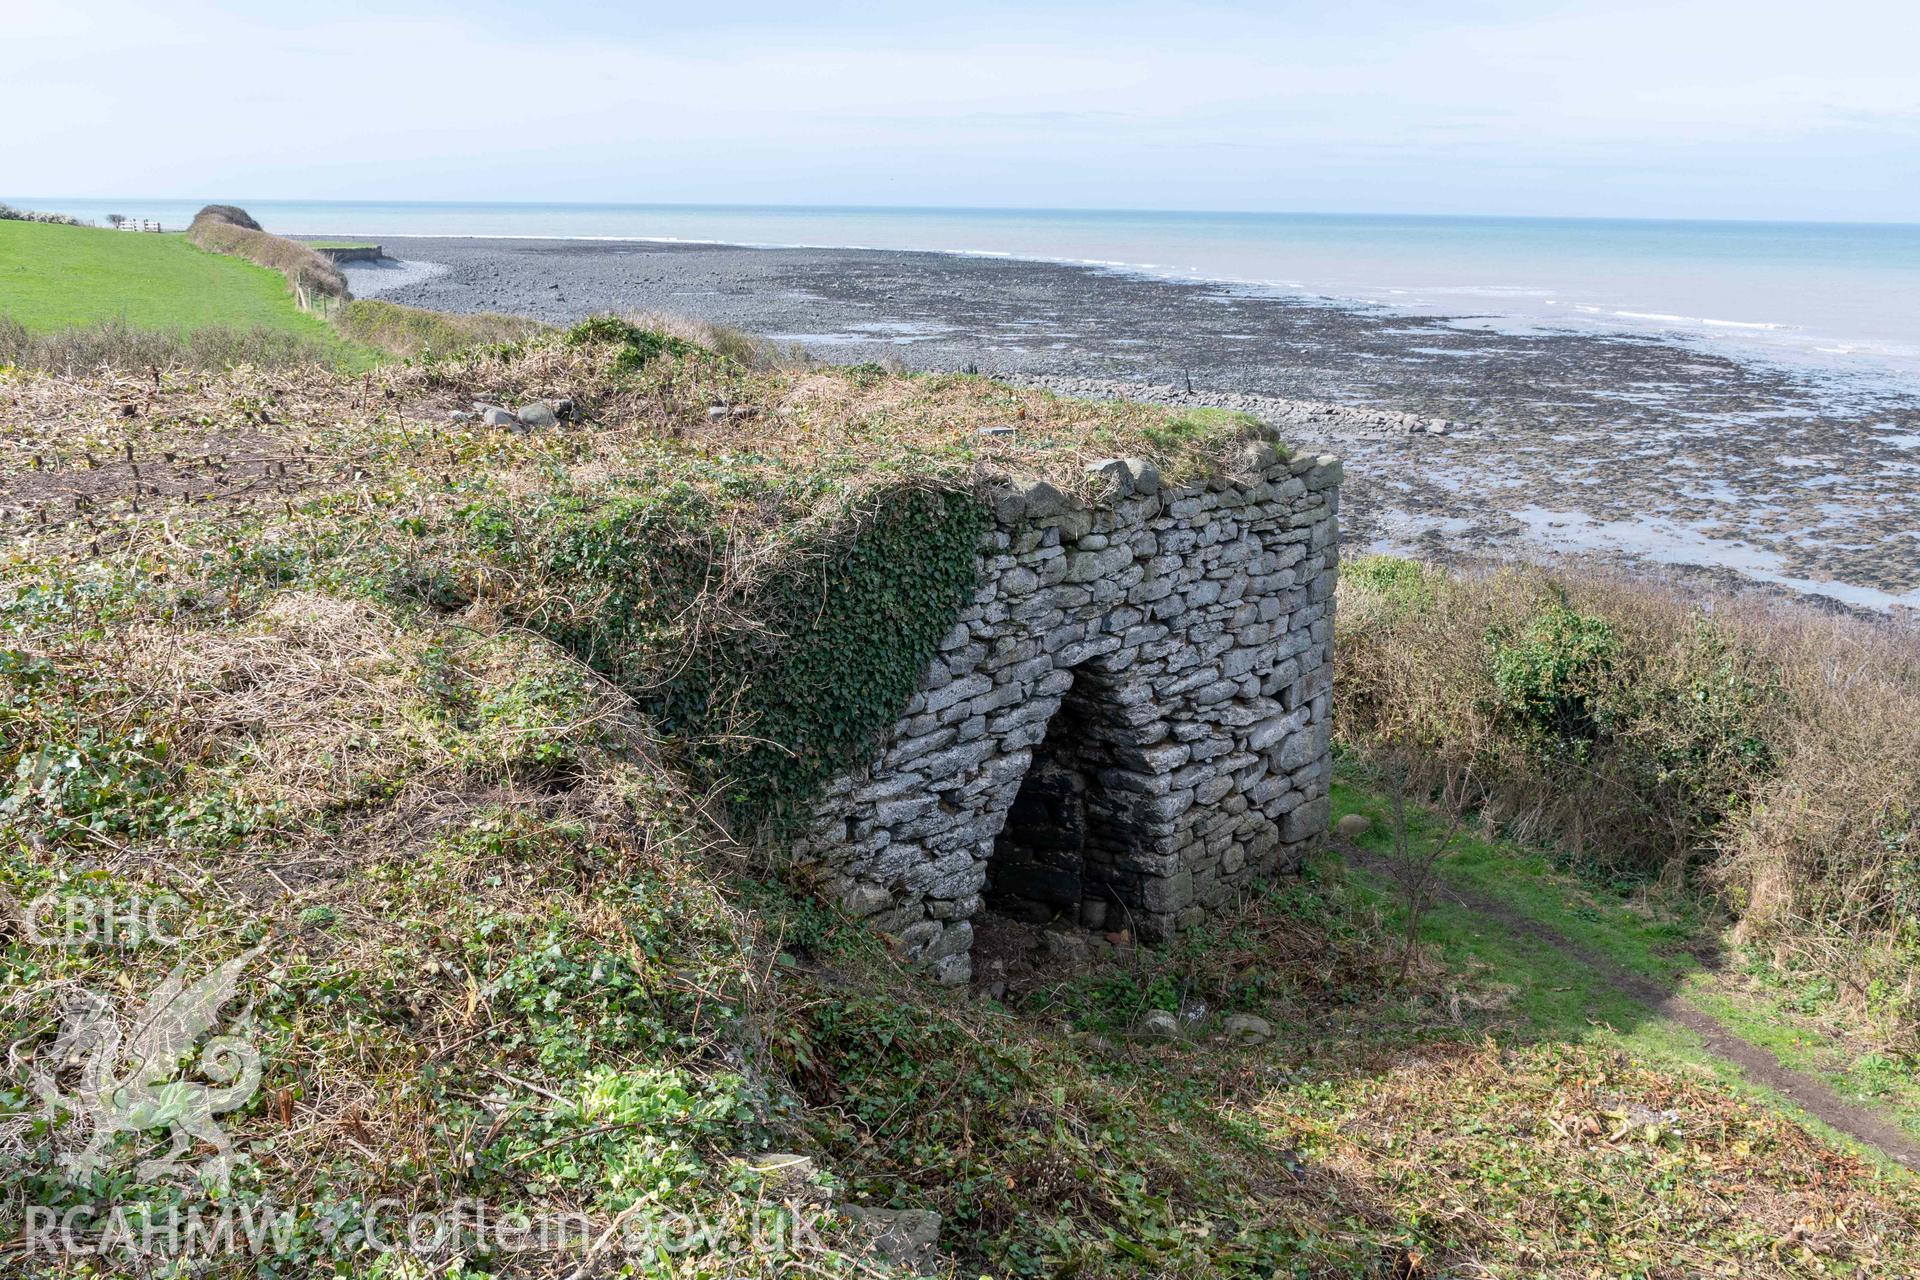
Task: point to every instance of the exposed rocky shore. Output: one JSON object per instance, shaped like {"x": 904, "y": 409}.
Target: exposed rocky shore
{"x": 1461, "y": 438}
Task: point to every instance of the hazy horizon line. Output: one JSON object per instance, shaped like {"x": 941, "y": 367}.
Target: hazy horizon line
{"x": 966, "y": 208}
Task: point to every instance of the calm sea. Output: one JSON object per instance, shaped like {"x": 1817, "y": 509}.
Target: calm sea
{"x": 1836, "y": 296}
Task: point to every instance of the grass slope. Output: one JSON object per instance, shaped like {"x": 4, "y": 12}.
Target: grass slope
{"x": 1665, "y": 939}
{"x": 255, "y": 667}
{"x": 1760, "y": 753}
{"x": 54, "y": 277}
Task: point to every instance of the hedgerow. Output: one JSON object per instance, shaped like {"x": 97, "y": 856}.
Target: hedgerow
{"x": 220, "y": 228}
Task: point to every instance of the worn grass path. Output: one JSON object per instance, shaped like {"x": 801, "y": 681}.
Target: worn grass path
{"x": 1629, "y": 973}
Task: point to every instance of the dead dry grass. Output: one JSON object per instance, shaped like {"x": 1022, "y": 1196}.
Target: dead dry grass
{"x": 492, "y": 906}
{"x": 415, "y": 332}
{"x": 115, "y": 344}
{"x": 102, "y": 455}
{"x": 1553, "y": 1161}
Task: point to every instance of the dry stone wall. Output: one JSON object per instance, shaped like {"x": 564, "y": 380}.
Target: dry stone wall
{"x": 1127, "y": 726}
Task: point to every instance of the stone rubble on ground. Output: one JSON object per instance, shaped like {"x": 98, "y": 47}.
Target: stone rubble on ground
{"x": 1157, "y": 1024}
{"x": 542, "y": 414}
{"x": 1247, "y": 1028}
{"x": 536, "y": 415}
{"x": 908, "y": 1238}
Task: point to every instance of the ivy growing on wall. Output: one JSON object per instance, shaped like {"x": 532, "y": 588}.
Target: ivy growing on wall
{"x": 773, "y": 658}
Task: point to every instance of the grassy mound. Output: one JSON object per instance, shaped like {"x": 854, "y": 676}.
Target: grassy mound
{"x": 1766, "y": 749}
{"x": 469, "y": 749}
{"x": 55, "y": 278}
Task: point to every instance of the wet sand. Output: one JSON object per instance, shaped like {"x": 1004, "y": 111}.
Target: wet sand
{"x": 1461, "y": 439}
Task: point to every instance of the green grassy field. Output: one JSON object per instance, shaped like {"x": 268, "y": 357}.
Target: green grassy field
{"x": 55, "y": 277}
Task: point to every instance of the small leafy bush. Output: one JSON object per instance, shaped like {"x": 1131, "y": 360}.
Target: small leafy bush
{"x": 637, "y": 346}
{"x": 1550, "y": 676}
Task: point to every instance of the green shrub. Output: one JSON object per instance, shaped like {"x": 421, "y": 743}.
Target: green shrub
{"x": 1705, "y": 714}
{"x": 1752, "y": 747}
{"x": 597, "y": 331}
{"x": 1550, "y": 676}
{"x": 637, "y": 346}
{"x": 648, "y": 334}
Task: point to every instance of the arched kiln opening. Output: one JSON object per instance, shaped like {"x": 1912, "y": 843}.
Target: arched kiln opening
{"x": 1066, "y": 833}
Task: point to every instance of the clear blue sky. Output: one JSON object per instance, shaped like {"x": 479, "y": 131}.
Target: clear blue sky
{"x": 1682, "y": 108}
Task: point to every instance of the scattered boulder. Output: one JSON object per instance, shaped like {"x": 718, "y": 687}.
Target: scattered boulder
{"x": 1353, "y": 826}
{"x": 541, "y": 414}
{"x": 1246, "y": 1028}
{"x": 905, "y": 1237}
{"x": 538, "y": 416}
{"x": 1065, "y": 946}
{"x": 1157, "y": 1024}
